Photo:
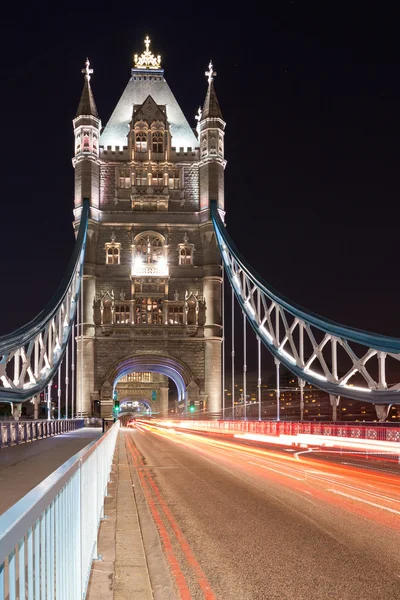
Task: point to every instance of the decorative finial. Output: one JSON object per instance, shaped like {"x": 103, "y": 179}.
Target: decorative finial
{"x": 113, "y": 236}
{"x": 87, "y": 72}
{"x": 176, "y": 296}
{"x": 210, "y": 73}
{"x": 185, "y": 237}
{"x": 147, "y": 60}
{"x": 199, "y": 114}
{"x": 198, "y": 119}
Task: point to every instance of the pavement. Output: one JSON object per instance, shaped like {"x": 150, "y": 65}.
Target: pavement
{"x": 122, "y": 572}
{"x": 24, "y": 466}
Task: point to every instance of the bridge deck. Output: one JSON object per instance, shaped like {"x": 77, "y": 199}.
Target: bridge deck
{"x": 127, "y": 571}
{"x": 24, "y": 466}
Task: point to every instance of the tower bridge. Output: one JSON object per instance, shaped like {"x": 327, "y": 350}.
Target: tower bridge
{"x": 139, "y": 317}
{"x": 144, "y": 290}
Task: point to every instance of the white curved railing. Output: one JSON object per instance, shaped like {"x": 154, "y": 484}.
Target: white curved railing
{"x": 48, "y": 539}
{"x": 337, "y": 359}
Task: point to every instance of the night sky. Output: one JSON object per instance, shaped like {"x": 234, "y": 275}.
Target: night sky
{"x": 311, "y": 102}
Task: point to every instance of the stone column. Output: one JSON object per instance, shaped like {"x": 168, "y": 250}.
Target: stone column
{"x": 213, "y": 377}
{"x": 16, "y": 411}
{"x": 164, "y": 391}
{"x": 36, "y": 407}
{"x": 334, "y": 400}
{"x": 382, "y": 411}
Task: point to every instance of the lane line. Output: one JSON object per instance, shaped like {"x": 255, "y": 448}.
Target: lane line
{"x": 396, "y": 512}
{"x": 276, "y": 471}
{"x": 187, "y": 551}
{"x": 171, "y": 557}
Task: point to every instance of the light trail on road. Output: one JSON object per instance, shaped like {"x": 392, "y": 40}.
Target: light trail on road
{"x": 323, "y": 498}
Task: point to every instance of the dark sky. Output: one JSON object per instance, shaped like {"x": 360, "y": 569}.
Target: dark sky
{"x": 311, "y": 102}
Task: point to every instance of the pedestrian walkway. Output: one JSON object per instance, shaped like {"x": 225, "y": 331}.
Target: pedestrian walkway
{"x": 24, "y": 466}
{"x": 122, "y": 572}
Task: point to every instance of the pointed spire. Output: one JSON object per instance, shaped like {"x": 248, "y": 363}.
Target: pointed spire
{"x": 211, "y": 106}
{"x": 87, "y": 105}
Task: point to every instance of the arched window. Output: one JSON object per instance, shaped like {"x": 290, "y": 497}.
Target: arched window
{"x": 191, "y": 312}
{"x": 141, "y": 141}
{"x": 157, "y": 178}
{"x": 113, "y": 254}
{"x": 86, "y": 141}
{"x": 158, "y": 145}
{"x": 186, "y": 255}
{"x": 149, "y": 248}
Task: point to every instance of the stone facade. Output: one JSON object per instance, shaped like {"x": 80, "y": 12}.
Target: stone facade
{"x": 152, "y": 275}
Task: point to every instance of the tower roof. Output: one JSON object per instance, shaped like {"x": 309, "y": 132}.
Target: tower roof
{"x": 87, "y": 105}
{"x": 147, "y": 79}
{"x": 211, "y": 106}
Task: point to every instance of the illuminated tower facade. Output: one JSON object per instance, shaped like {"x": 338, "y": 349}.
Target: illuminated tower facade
{"x": 152, "y": 277}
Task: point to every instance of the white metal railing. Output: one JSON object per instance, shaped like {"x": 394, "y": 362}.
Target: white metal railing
{"x": 19, "y": 432}
{"x": 48, "y": 539}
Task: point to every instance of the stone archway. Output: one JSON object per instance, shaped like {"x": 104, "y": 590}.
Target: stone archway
{"x": 173, "y": 368}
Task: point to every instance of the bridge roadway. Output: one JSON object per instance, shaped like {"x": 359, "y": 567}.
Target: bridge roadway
{"x": 258, "y": 523}
{"x": 24, "y": 466}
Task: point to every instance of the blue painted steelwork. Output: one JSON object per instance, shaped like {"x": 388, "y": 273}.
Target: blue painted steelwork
{"x": 260, "y": 302}
{"x": 37, "y": 348}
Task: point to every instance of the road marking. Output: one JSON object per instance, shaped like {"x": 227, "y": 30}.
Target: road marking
{"x": 276, "y": 471}
{"x": 396, "y": 512}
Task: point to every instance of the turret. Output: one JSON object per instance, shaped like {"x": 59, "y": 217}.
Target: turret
{"x": 212, "y": 162}
{"x": 87, "y": 127}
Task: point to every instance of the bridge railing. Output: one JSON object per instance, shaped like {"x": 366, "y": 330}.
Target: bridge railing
{"x": 48, "y": 539}
{"x": 291, "y": 428}
{"x": 19, "y": 432}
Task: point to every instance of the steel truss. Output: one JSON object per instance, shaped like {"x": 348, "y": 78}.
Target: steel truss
{"x": 337, "y": 359}
{"x": 31, "y": 356}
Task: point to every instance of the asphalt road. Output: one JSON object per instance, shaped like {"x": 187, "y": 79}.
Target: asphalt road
{"x": 239, "y": 522}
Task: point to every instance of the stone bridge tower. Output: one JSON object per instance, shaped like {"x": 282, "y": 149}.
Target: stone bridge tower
{"x": 152, "y": 275}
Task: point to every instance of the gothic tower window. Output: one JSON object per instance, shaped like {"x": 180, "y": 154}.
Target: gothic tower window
{"x": 112, "y": 257}
{"x": 149, "y": 248}
{"x": 141, "y": 178}
{"x": 113, "y": 251}
{"x": 158, "y": 145}
{"x": 149, "y": 311}
{"x": 141, "y": 141}
{"x": 175, "y": 314}
{"x": 157, "y": 178}
{"x": 86, "y": 141}
{"x": 185, "y": 256}
{"x": 122, "y": 314}
{"x": 124, "y": 178}
{"x": 173, "y": 180}
{"x": 185, "y": 251}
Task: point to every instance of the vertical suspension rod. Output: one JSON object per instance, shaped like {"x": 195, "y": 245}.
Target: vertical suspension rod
{"x": 59, "y": 393}
{"x": 81, "y": 353}
{"x": 244, "y": 366}
{"x": 223, "y": 342}
{"x": 233, "y": 354}
{"x": 67, "y": 375}
{"x": 73, "y": 369}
